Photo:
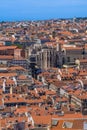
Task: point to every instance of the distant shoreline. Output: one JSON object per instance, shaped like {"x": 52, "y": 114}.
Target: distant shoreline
{"x": 36, "y": 20}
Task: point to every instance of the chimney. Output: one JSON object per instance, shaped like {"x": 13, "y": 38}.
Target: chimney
{"x": 11, "y": 90}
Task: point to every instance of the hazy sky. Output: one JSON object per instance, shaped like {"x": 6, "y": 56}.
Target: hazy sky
{"x": 41, "y": 9}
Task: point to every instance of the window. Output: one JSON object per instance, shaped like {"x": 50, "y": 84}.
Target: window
{"x": 68, "y": 59}
{"x": 63, "y": 60}
{"x": 67, "y": 124}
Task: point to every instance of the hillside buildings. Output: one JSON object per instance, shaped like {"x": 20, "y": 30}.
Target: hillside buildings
{"x": 43, "y": 75}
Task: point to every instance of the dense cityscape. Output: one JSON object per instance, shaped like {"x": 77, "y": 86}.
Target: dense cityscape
{"x": 43, "y": 75}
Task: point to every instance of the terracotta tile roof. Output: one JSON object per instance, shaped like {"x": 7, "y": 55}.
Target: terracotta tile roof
{"x": 8, "y": 74}
{"x": 7, "y": 47}
{"x": 22, "y": 77}
{"x": 17, "y": 68}
{"x": 73, "y": 48}
{"x": 42, "y": 120}
{"x": 5, "y": 57}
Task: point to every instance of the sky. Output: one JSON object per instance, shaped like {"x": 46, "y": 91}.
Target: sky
{"x": 17, "y": 10}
